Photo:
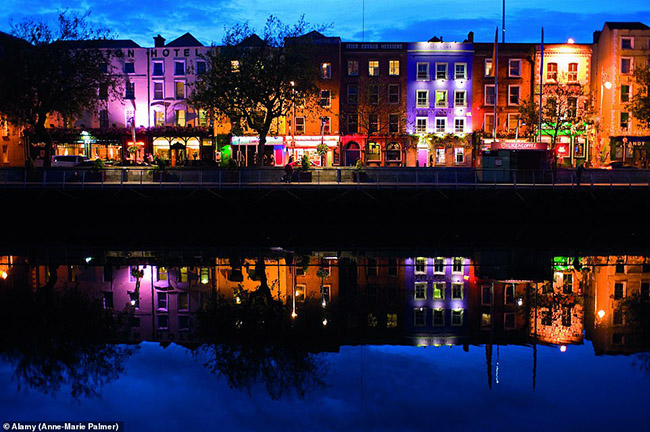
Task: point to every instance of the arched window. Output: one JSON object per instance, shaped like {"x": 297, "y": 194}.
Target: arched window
{"x": 393, "y": 152}
{"x": 374, "y": 152}
{"x": 352, "y": 153}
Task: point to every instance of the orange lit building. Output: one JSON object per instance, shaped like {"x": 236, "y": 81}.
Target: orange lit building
{"x": 569, "y": 65}
{"x": 618, "y": 48}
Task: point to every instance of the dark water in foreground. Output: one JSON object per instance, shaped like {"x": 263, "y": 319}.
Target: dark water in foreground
{"x": 326, "y": 340}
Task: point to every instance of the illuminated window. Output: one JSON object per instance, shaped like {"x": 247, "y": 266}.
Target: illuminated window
{"x": 373, "y": 68}
{"x": 514, "y": 92}
{"x": 460, "y": 98}
{"x": 489, "y": 94}
{"x": 353, "y": 68}
{"x": 201, "y": 67}
{"x": 509, "y": 321}
{"x": 627, "y": 43}
{"x": 300, "y": 293}
{"x": 441, "y": 155}
{"x": 441, "y": 98}
{"x": 567, "y": 283}
{"x": 300, "y": 125}
{"x": 373, "y": 94}
{"x": 509, "y": 294}
{"x": 234, "y": 66}
{"x": 180, "y": 117}
{"x": 183, "y": 301}
{"x": 325, "y": 98}
{"x": 422, "y": 99}
{"x": 486, "y": 295}
{"x": 441, "y": 124}
{"x": 326, "y": 70}
{"x": 158, "y": 68}
{"x": 163, "y": 322}
{"x": 326, "y": 124}
{"x": 457, "y": 291}
{"x": 513, "y": 122}
{"x": 179, "y": 89}
{"x": 183, "y": 274}
{"x": 420, "y": 292}
{"x": 325, "y": 294}
{"x": 459, "y": 125}
{"x": 460, "y": 71}
{"x": 438, "y": 317}
{"x": 573, "y": 73}
{"x": 162, "y": 300}
{"x": 393, "y": 93}
{"x": 108, "y": 299}
{"x": 438, "y": 290}
{"x": 625, "y": 93}
{"x": 489, "y": 70}
{"x": 423, "y": 71}
{"x": 129, "y": 67}
{"x": 488, "y": 123}
{"x": 626, "y": 65}
{"x": 457, "y": 317}
{"x": 420, "y": 265}
{"x": 441, "y": 70}
{"x": 205, "y": 275}
{"x": 179, "y": 67}
{"x": 203, "y": 117}
{"x": 420, "y": 317}
{"x": 158, "y": 90}
{"x": 159, "y": 118}
{"x": 625, "y": 120}
{"x": 486, "y": 320}
{"x": 514, "y": 68}
{"x": 393, "y": 154}
{"x": 421, "y": 124}
{"x": 130, "y": 90}
{"x": 459, "y": 155}
{"x": 374, "y": 152}
{"x": 353, "y": 123}
{"x": 439, "y": 266}
{"x": 619, "y": 290}
{"x": 391, "y": 320}
{"x": 551, "y": 71}
{"x": 393, "y": 67}
{"x": 353, "y": 94}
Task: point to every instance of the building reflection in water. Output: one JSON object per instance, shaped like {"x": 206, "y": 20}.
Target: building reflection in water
{"x": 356, "y": 299}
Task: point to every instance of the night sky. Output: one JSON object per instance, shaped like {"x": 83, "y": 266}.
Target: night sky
{"x": 386, "y": 20}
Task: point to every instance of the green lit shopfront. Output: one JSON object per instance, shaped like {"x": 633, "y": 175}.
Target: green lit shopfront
{"x": 571, "y": 146}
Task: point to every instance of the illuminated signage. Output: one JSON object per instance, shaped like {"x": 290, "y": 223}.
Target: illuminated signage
{"x": 518, "y": 146}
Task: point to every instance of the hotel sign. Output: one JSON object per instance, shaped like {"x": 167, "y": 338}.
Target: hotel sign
{"x": 518, "y": 146}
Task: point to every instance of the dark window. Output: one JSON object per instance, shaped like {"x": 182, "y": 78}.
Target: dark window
{"x": 158, "y": 69}
{"x": 393, "y": 124}
{"x": 566, "y": 316}
{"x": 620, "y": 268}
{"x": 373, "y": 94}
{"x": 509, "y": 320}
{"x": 567, "y": 285}
{"x": 183, "y": 322}
{"x": 130, "y": 91}
{"x": 420, "y": 317}
{"x": 108, "y": 300}
{"x": 645, "y": 289}
{"x": 618, "y": 317}
{"x": 163, "y": 321}
{"x": 486, "y": 297}
{"x": 179, "y": 67}
{"x": 618, "y": 291}
{"x": 353, "y": 94}
{"x": 372, "y": 267}
{"x": 393, "y": 93}
{"x": 200, "y": 67}
{"x": 129, "y": 67}
{"x": 438, "y": 317}
{"x": 547, "y": 318}
{"x": 392, "y": 267}
{"x": 510, "y": 294}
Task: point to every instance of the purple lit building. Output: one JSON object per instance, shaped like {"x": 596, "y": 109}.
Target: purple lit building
{"x": 437, "y": 299}
{"x": 439, "y": 102}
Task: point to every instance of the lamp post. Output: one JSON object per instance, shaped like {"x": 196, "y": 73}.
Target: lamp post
{"x": 605, "y": 84}
{"x": 293, "y": 116}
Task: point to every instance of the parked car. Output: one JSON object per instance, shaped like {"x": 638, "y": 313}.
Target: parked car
{"x": 68, "y": 161}
{"x": 619, "y": 165}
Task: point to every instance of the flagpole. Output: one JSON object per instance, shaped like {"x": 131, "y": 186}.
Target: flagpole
{"x": 541, "y": 85}
{"x": 503, "y": 23}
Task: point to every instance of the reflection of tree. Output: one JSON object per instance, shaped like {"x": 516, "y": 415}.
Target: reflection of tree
{"x": 279, "y": 368}
{"x": 55, "y": 339}
{"x": 253, "y": 339}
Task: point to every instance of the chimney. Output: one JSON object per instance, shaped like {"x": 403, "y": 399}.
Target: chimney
{"x": 159, "y": 41}
{"x": 470, "y": 37}
{"x": 596, "y": 36}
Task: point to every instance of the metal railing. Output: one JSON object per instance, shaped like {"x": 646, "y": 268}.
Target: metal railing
{"x": 275, "y": 177}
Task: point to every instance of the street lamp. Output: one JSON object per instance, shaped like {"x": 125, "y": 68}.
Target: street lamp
{"x": 293, "y": 116}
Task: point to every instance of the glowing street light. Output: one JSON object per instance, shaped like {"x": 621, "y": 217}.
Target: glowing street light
{"x": 563, "y": 348}
{"x": 601, "y": 314}
{"x": 3, "y": 275}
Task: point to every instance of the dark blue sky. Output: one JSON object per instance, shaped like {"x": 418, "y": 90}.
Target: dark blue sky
{"x": 385, "y": 20}
{"x": 368, "y": 388}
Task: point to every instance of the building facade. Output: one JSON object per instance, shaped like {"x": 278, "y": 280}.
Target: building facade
{"x": 439, "y": 102}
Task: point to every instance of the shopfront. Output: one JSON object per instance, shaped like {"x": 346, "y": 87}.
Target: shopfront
{"x": 308, "y": 145}
{"x": 631, "y": 150}
{"x": 499, "y": 160}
